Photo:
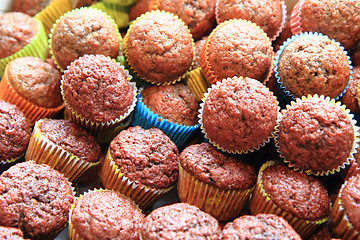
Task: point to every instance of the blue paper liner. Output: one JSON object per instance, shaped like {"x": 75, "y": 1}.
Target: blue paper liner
{"x": 288, "y": 96}
{"x": 146, "y": 118}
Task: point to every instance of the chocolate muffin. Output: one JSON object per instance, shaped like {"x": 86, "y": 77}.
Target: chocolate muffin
{"x": 36, "y": 199}
{"x": 180, "y": 221}
{"x": 30, "y": 7}
{"x": 261, "y": 226}
{"x": 350, "y": 96}
{"x": 104, "y": 214}
{"x": 10, "y": 233}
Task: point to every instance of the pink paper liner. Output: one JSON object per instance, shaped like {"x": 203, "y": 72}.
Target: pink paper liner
{"x": 295, "y": 19}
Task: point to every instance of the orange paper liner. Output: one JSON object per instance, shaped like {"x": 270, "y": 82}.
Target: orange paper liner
{"x": 261, "y": 203}
{"x": 32, "y": 111}
{"x": 224, "y": 205}
{"x": 295, "y": 19}
{"x": 43, "y": 151}
{"x": 196, "y": 83}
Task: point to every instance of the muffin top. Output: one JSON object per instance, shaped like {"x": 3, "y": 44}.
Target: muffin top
{"x": 267, "y": 14}
{"x": 355, "y": 54}
{"x": 16, "y": 31}
{"x": 72, "y": 138}
{"x": 34, "y": 198}
{"x": 350, "y": 196}
{"x": 106, "y": 215}
{"x": 261, "y": 226}
{"x": 173, "y": 102}
{"x": 180, "y": 221}
{"x": 313, "y": 64}
{"x": 84, "y": 31}
{"x": 198, "y": 47}
{"x": 30, "y": 7}
{"x": 295, "y": 192}
{"x": 239, "y": 44}
{"x": 146, "y": 156}
{"x": 315, "y": 135}
{"x": 211, "y": 166}
{"x": 10, "y": 233}
{"x": 159, "y": 47}
{"x": 14, "y": 132}
{"x": 140, "y": 7}
{"x": 350, "y": 97}
{"x": 248, "y": 110}
{"x": 96, "y": 87}
{"x": 35, "y": 80}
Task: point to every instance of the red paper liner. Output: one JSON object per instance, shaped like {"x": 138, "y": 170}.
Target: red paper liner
{"x": 295, "y": 19}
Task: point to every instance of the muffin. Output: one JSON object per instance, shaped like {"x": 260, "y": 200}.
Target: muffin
{"x": 64, "y": 146}
{"x": 83, "y": 31}
{"x": 180, "y": 221}
{"x": 165, "y": 45}
{"x": 316, "y": 135}
{"x": 30, "y": 7}
{"x": 350, "y": 97}
{"x": 311, "y": 63}
{"x": 269, "y": 14}
{"x": 346, "y": 211}
{"x": 14, "y": 131}
{"x": 36, "y": 199}
{"x": 11, "y": 233}
{"x": 104, "y": 214}
{"x": 355, "y": 54}
{"x": 34, "y": 86}
{"x": 240, "y": 44}
{"x": 300, "y": 199}
{"x": 199, "y": 44}
{"x": 142, "y": 164}
{"x": 215, "y": 182}
{"x": 139, "y": 8}
{"x": 261, "y": 226}
{"x": 238, "y": 115}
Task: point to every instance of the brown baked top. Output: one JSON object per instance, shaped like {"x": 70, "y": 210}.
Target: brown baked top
{"x": 14, "y": 131}
{"x": 302, "y": 195}
{"x": 214, "y": 167}
{"x": 72, "y": 138}
{"x": 315, "y": 135}
{"x": 147, "y": 156}
{"x": 106, "y": 215}
{"x": 84, "y": 31}
{"x": 16, "y": 31}
{"x": 97, "y": 88}
{"x": 350, "y": 196}
{"x": 34, "y": 198}
{"x": 180, "y": 221}
{"x": 350, "y": 97}
{"x": 140, "y": 7}
{"x": 262, "y": 226}
{"x": 36, "y": 80}
{"x": 31, "y": 7}
{"x": 9, "y": 233}
{"x": 198, "y": 47}
{"x": 173, "y": 102}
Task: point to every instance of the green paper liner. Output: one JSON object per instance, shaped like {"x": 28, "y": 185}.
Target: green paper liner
{"x": 196, "y": 83}
{"x": 121, "y": 2}
{"x": 119, "y": 13}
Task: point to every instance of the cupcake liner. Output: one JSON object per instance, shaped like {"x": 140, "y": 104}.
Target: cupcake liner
{"x": 204, "y": 54}
{"x": 119, "y": 13}
{"x": 223, "y": 204}
{"x": 52, "y": 12}
{"x": 222, "y": 148}
{"x": 354, "y": 146}
{"x": 121, "y": 2}
{"x": 285, "y": 92}
{"x": 49, "y": 44}
{"x": 153, "y": 5}
{"x": 10, "y": 161}
{"x": 196, "y": 82}
{"x": 261, "y": 202}
{"x": 43, "y": 151}
{"x": 129, "y": 65}
{"x": 37, "y": 48}
{"x": 32, "y": 111}
{"x": 146, "y": 118}
{"x": 295, "y": 18}
{"x": 112, "y": 178}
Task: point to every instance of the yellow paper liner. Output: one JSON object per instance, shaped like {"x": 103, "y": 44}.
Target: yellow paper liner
{"x": 196, "y": 83}
{"x": 224, "y": 205}
{"x": 295, "y": 18}
{"x": 37, "y": 47}
{"x": 209, "y": 73}
{"x": 43, "y": 151}
{"x": 261, "y": 202}
{"x": 119, "y": 13}
{"x": 32, "y": 111}
{"x": 10, "y": 161}
{"x": 112, "y": 178}
{"x": 130, "y": 65}
{"x": 121, "y": 2}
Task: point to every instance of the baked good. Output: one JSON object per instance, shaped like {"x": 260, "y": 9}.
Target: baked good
{"x": 30, "y": 7}
{"x": 14, "y": 131}
{"x": 198, "y": 47}
{"x": 165, "y": 45}
{"x": 311, "y": 63}
{"x": 301, "y": 199}
{"x": 83, "y": 31}
{"x": 262, "y": 226}
{"x": 142, "y": 164}
{"x": 316, "y": 135}
{"x": 240, "y": 44}
{"x": 36, "y": 199}
{"x": 238, "y": 115}
{"x": 350, "y": 96}
{"x": 139, "y": 8}
{"x": 104, "y": 214}
{"x": 11, "y": 233}
{"x": 169, "y": 222}
{"x": 355, "y": 54}
{"x": 215, "y": 182}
